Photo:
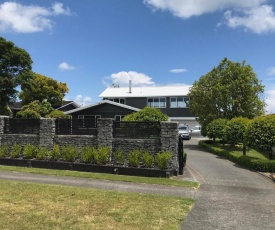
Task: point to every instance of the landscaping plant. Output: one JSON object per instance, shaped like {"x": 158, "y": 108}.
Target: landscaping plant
{"x": 15, "y": 151}
{"x": 3, "y": 150}
{"x": 103, "y": 154}
{"x": 42, "y": 153}
{"x": 55, "y": 153}
{"x": 119, "y": 157}
{"x": 87, "y": 154}
{"x": 162, "y": 159}
{"x": 69, "y": 153}
{"x": 134, "y": 158}
{"x": 30, "y": 151}
{"x": 148, "y": 159}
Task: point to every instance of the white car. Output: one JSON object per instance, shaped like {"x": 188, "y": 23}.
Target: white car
{"x": 184, "y": 132}
{"x": 196, "y": 130}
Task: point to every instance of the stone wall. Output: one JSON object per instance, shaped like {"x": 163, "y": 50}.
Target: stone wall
{"x": 166, "y": 142}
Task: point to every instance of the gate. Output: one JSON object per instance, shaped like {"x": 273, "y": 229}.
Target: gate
{"x": 180, "y": 155}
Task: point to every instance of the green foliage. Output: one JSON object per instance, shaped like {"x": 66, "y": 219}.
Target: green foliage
{"x": 4, "y": 150}
{"x": 119, "y": 156}
{"x": 42, "y": 153}
{"x": 57, "y": 114}
{"x": 102, "y": 155}
{"x": 15, "y": 151}
{"x": 215, "y": 129}
{"x": 134, "y": 158}
{"x": 229, "y": 90}
{"x": 42, "y": 108}
{"x": 148, "y": 159}
{"x": 43, "y": 88}
{"x": 15, "y": 64}
{"x": 147, "y": 114}
{"x": 69, "y": 153}
{"x": 5, "y": 110}
{"x": 253, "y": 163}
{"x": 235, "y": 130}
{"x": 55, "y": 153}
{"x": 27, "y": 114}
{"x": 261, "y": 133}
{"x": 30, "y": 151}
{"x": 86, "y": 154}
{"x": 162, "y": 159}
{"x": 184, "y": 155}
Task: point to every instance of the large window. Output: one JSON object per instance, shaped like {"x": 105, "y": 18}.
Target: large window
{"x": 118, "y": 100}
{"x": 83, "y": 122}
{"x": 156, "y": 102}
{"x": 179, "y": 102}
{"x": 119, "y": 117}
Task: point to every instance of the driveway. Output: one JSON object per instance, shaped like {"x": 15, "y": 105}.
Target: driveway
{"x": 230, "y": 197}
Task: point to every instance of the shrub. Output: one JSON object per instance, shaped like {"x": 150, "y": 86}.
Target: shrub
{"x": 55, "y": 153}
{"x": 148, "y": 159}
{"x": 15, "y": 151}
{"x": 134, "y": 158}
{"x": 162, "y": 159}
{"x": 30, "y": 151}
{"x": 147, "y": 114}
{"x": 57, "y": 114}
{"x": 102, "y": 156}
{"x": 184, "y": 155}
{"x": 27, "y": 114}
{"x": 69, "y": 153}
{"x": 42, "y": 153}
{"x": 215, "y": 129}
{"x": 87, "y": 154}
{"x": 3, "y": 150}
{"x": 119, "y": 156}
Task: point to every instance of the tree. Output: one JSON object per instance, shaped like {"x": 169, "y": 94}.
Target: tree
{"x": 230, "y": 90}
{"x": 42, "y": 108}
{"x": 15, "y": 65}
{"x": 216, "y": 129}
{"x": 146, "y": 114}
{"x": 43, "y": 88}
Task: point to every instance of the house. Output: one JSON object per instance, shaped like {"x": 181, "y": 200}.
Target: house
{"x": 171, "y": 100}
{"x": 15, "y": 107}
{"x": 102, "y": 109}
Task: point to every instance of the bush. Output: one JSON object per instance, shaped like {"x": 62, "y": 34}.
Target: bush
{"x": 15, "y": 151}
{"x": 57, "y": 114}
{"x": 4, "y": 150}
{"x": 215, "y": 129}
{"x": 69, "y": 153}
{"x": 55, "y": 153}
{"x": 30, "y": 151}
{"x": 42, "y": 153}
{"x": 147, "y": 114}
{"x": 87, "y": 154}
{"x": 184, "y": 155}
{"x": 27, "y": 114}
{"x": 103, "y": 155}
{"x": 162, "y": 159}
{"x": 119, "y": 157}
{"x": 148, "y": 159}
{"x": 134, "y": 158}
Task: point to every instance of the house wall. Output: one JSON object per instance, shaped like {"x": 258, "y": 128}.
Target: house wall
{"x": 166, "y": 142}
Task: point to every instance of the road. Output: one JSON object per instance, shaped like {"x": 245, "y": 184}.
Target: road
{"x": 229, "y": 197}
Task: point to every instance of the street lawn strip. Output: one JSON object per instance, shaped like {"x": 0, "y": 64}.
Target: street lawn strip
{"x": 26, "y": 205}
{"x": 174, "y": 181}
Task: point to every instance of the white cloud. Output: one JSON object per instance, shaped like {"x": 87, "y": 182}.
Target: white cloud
{"x": 189, "y": 8}
{"x": 29, "y": 18}
{"x": 270, "y": 96}
{"x": 271, "y": 71}
{"x": 259, "y": 20}
{"x": 65, "y": 67}
{"x": 81, "y": 100}
{"x": 138, "y": 79}
{"x": 178, "y": 70}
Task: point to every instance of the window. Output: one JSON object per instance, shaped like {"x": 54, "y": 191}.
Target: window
{"x": 179, "y": 102}
{"x": 83, "y": 124}
{"x": 117, "y": 100}
{"x": 119, "y": 117}
{"x": 156, "y": 102}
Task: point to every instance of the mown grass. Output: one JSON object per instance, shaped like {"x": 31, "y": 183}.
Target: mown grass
{"x": 39, "y": 206}
{"x": 101, "y": 176}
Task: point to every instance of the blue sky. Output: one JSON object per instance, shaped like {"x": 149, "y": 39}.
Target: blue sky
{"x": 91, "y": 44}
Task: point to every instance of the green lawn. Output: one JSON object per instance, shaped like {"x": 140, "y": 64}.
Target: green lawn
{"x": 39, "y": 206}
{"x": 101, "y": 176}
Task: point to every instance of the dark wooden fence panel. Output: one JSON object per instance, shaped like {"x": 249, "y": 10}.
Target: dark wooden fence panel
{"x": 22, "y": 126}
{"x": 75, "y": 126}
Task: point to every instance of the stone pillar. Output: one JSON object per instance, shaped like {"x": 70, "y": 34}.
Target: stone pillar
{"x": 169, "y": 142}
{"x": 47, "y": 132}
{"x": 2, "y": 125}
{"x": 105, "y": 132}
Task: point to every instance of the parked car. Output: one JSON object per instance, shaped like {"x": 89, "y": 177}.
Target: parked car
{"x": 196, "y": 130}
{"x": 184, "y": 132}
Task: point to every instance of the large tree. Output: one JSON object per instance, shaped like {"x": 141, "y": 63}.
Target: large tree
{"x": 15, "y": 65}
{"x": 42, "y": 88}
{"x": 229, "y": 90}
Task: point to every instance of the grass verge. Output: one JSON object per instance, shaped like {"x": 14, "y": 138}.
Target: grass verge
{"x": 253, "y": 160}
{"x": 39, "y": 206}
{"x": 102, "y": 176}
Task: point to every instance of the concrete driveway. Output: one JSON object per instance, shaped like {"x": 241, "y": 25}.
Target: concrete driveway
{"x": 230, "y": 197}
